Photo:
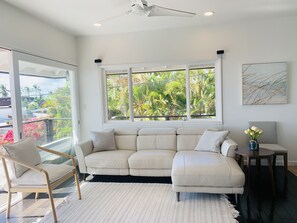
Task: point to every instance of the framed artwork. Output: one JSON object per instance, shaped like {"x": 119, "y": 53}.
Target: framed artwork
{"x": 264, "y": 83}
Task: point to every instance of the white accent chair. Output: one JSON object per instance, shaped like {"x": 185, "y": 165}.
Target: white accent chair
{"x": 269, "y": 141}
{"x": 24, "y": 171}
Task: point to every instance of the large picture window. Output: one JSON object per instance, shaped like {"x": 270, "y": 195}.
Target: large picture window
{"x": 159, "y": 95}
{"x": 167, "y": 93}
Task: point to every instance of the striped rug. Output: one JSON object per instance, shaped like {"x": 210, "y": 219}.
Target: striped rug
{"x": 140, "y": 203}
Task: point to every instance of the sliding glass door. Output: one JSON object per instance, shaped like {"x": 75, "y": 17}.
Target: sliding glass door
{"x": 38, "y": 99}
{"x": 6, "y": 123}
{"x": 46, "y": 103}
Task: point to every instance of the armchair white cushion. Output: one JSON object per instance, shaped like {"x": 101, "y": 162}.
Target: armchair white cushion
{"x": 31, "y": 177}
{"x": 24, "y": 150}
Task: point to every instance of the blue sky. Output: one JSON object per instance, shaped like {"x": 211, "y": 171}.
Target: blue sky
{"x": 46, "y": 84}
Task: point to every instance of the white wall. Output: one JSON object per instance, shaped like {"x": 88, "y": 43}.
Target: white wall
{"x": 20, "y": 31}
{"x": 244, "y": 42}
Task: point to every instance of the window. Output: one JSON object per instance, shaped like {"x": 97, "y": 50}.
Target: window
{"x": 159, "y": 95}
{"x": 167, "y": 93}
{"x": 117, "y": 96}
{"x": 202, "y": 93}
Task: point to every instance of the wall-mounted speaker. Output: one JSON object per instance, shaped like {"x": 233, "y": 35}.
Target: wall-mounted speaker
{"x": 219, "y": 52}
{"x": 98, "y": 61}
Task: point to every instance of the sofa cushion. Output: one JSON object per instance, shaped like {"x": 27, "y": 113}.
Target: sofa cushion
{"x": 211, "y": 141}
{"x": 115, "y": 159}
{"x": 190, "y": 131}
{"x": 103, "y": 140}
{"x": 156, "y": 138}
{"x": 24, "y": 150}
{"x": 157, "y": 131}
{"x": 125, "y": 138}
{"x": 194, "y": 168}
{"x": 187, "y": 142}
{"x": 151, "y": 159}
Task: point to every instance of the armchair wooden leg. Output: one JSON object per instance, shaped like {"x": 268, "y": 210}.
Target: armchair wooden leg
{"x": 8, "y": 204}
{"x": 50, "y": 196}
{"x": 77, "y": 184}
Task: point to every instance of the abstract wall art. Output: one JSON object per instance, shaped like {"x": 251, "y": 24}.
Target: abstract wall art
{"x": 264, "y": 83}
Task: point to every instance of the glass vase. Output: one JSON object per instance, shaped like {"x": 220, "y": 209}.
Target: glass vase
{"x": 254, "y": 145}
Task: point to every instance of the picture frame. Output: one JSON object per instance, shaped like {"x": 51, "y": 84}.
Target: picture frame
{"x": 264, "y": 83}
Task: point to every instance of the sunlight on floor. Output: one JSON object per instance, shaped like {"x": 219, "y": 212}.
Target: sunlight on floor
{"x": 293, "y": 169}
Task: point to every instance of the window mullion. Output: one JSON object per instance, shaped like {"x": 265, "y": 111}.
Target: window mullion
{"x": 188, "y": 92}
{"x": 130, "y": 89}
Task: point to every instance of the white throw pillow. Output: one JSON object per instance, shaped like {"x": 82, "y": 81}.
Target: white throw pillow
{"x": 211, "y": 141}
{"x": 25, "y": 151}
{"x": 103, "y": 140}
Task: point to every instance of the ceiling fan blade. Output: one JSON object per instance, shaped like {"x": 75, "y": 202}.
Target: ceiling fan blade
{"x": 155, "y": 10}
{"x": 138, "y": 2}
{"x": 114, "y": 17}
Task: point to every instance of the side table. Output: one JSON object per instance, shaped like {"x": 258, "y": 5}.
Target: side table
{"x": 257, "y": 155}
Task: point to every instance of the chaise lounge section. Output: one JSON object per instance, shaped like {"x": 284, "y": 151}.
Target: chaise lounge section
{"x": 203, "y": 171}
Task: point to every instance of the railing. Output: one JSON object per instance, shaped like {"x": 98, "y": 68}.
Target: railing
{"x": 166, "y": 117}
{"x": 49, "y": 128}
{"x": 46, "y": 133}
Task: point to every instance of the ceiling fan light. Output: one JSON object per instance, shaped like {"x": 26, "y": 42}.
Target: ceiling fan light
{"x": 209, "y": 13}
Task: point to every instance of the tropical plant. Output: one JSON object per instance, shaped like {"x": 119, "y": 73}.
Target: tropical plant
{"x": 58, "y": 106}
{"x": 35, "y": 130}
{"x": 162, "y": 95}
{"x": 3, "y": 90}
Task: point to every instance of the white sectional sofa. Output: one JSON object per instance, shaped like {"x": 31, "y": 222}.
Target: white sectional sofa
{"x": 166, "y": 152}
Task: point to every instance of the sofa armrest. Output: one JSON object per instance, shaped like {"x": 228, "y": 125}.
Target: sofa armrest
{"x": 228, "y": 148}
{"x": 82, "y": 150}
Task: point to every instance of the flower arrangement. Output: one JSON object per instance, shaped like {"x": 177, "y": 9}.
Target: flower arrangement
{"x": 254, "y": 132}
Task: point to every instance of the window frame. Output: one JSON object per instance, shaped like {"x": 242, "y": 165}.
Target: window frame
{"x": 128, "y": 68}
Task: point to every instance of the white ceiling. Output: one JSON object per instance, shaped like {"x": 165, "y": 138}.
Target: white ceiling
{"x": 78, "y": 16}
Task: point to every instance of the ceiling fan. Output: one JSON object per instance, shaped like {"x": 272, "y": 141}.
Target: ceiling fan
{"x": 141, "y": 8}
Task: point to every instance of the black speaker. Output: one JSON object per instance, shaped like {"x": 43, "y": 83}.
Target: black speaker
{"x": 219, "y": 52}
{"x": 98, "y": 61}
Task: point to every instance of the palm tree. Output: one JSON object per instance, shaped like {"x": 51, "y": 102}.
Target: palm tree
{"x": 3, "y": 90}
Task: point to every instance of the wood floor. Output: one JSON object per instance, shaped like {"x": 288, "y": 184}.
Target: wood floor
{"x": 260, "y": 206}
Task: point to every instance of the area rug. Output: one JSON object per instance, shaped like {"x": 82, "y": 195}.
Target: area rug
{"x": 139, "y": 203}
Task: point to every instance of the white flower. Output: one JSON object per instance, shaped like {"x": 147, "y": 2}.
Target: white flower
{"x": 254, "y": 128}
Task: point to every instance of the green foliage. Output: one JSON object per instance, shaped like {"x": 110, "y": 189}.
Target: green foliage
{"x": 159, "y": 94}
{"x": 3, "y": 90}
{"x": 118, "y": 97}
{"x": 58, "y": 105}
{"x": 202, "y": 92}
{"x": 162, "y": 94}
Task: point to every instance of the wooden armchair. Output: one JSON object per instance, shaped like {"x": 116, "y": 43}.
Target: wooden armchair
{"x": 38, "y": 178}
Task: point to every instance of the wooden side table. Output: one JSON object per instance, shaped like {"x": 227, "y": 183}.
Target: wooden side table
{"x": 257, "y": 155}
